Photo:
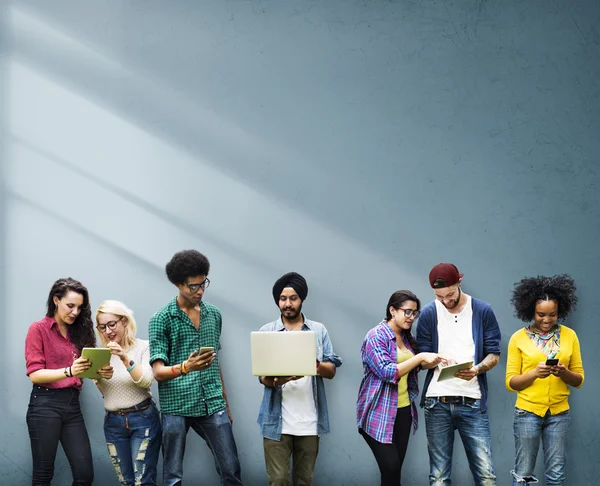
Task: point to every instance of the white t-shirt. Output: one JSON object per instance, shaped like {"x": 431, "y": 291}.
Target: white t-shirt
{"x": 455, "y": 340}
{"x": 298, "y": 409}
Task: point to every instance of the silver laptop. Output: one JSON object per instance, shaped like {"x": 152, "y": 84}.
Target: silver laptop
{"x": 284, "y": 353}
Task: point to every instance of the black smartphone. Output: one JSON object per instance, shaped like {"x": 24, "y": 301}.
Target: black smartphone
{"x": 552, "y": 362}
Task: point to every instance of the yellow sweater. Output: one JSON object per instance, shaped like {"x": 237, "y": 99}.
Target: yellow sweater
{"x": 547, "y": 393}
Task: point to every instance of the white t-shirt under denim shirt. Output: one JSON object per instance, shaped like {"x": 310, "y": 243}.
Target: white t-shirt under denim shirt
{"x": 455, "y": 338}
{"x": 121, "y": 391}
{"x": 298, "y": 409}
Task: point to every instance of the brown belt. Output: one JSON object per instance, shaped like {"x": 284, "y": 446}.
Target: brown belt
{"x": 136, "y": 408}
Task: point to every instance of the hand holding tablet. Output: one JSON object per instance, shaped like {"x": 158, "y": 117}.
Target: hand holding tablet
{"x": 97, "y": 358}
{"x": 448, "y": 372}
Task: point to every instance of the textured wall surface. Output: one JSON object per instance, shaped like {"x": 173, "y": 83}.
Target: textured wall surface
{"x": 358, "y": 143}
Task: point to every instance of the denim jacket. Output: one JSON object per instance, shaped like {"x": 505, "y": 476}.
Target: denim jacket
{"x": 269, "y": 417}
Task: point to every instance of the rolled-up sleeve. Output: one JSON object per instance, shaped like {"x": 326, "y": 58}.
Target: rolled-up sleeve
{"x": 159, "y": 344}
{"x": 375, "y": 355}
{"x": 424, "y": 338}
{"x": 329, "y": 355}
{"x": 34, "y": 350}
{"x": 147, "y": 377}
{"x": 491, "y": 333}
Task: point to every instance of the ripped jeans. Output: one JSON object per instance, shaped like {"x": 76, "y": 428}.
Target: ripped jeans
{"x": 441, "y": 420}
{"x": 552, "y": 431}
{"x": 133, "y": 441}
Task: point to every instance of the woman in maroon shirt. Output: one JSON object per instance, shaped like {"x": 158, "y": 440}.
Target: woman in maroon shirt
{"x": 52, "y": 352}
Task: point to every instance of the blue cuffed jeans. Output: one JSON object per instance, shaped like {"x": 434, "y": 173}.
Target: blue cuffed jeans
{"x": 133, "y": 442}
{"x": 553, "y": 430}
{"x": 216, "y": 430}
{"x": 441, "y": 420}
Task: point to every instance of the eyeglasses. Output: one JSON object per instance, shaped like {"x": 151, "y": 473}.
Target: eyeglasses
{"x": 110, "y": 325}
{"x": 195, "y": 287}
{"x": 410, "y": 312}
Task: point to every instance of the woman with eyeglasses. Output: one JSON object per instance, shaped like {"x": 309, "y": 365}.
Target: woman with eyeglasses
{"x": 132, "y": 423}
{"x": 543, "y": 363}
{"x": 54, "y": 364}
{"x": 386, "y": 407}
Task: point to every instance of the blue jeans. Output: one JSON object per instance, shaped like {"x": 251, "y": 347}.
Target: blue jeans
{"x": 216, "y": 430}
{"x": 441, "y": 420}
{"x": 529, "y": 428}
{"x": 133, "y": 441}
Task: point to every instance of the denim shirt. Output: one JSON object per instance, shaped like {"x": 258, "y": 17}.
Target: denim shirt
{"x": 269, "y": 417}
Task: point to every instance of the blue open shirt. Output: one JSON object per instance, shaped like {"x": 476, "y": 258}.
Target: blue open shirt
{"x": 269, "y": 417}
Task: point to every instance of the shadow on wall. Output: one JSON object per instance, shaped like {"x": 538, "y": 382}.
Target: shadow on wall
{"x": 391, "y": 125}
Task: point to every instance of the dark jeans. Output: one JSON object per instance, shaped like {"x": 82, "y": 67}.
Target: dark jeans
{"x": 54, "y": 415}
{"x": 133, "y": 441}
{"x": 216, "y": 430}
{"x": 390, "y": 457}
{"x": 303, "y": 450}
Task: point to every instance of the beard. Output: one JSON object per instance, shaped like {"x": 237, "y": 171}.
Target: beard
{"x": 291, "y": 313}
{"x": 455, "y": 302}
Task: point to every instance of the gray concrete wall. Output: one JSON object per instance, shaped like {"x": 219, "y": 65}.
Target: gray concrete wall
{"x": 358, "y": 143}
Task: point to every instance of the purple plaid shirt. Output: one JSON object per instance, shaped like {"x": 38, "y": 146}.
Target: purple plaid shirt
{"x": 378, "y": 394}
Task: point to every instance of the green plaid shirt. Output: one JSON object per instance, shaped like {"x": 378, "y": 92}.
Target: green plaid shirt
{"x": 173, "y": 337}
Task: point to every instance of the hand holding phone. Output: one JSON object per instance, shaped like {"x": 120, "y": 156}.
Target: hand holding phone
{"x": 552, "y": 362}
{"x": 206, "y": 349}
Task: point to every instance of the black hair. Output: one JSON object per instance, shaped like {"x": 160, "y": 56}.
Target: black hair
{"x": 186, "y": 264}
{"x": 396, "y": 300}
{"x": 81, "y": 332}
{"x": 529, "y": 291}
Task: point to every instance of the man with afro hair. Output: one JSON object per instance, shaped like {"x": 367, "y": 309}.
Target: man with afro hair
{"x": 190, "y": 383}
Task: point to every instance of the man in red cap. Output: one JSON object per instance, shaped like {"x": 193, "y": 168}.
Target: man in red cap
{"x": 462, "y": 329}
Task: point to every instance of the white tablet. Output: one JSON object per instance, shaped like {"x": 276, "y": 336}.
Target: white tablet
{"x": 447, "y": 372}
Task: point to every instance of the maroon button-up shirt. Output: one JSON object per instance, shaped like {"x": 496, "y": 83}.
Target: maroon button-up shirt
{"x": 46, "y": 348}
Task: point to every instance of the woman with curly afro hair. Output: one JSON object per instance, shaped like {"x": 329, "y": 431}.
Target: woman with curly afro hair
{"x": 544, "y": 359}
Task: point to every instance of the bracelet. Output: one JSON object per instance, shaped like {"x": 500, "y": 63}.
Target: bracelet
{"x": 173, "y": 371}
{"x": 131, "y": 367}
{"x": 183, "y": 370}
{"x": 71, "y": 371}
{"x": 66, "y": 372}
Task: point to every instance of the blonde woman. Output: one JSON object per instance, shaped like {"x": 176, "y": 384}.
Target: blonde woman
{"x": 132, "y": 424}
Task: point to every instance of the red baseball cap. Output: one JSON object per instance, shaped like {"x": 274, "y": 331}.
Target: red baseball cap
{"x": 444, "y": 275}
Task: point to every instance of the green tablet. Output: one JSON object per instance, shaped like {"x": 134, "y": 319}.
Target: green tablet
{"x": 98, "y": 357}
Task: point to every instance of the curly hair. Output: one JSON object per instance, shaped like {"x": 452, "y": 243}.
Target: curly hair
{"x": 81, "y": 332}
{"x": 186, "y": 264}
{"x": 529, "y": 291}
{"x": 395, "y": 301}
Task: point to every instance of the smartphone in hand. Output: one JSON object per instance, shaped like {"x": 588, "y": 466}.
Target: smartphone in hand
{"x": 205, "y": 349}
{"x": 552, "y": 362}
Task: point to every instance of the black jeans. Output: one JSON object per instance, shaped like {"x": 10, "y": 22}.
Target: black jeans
{"x": 54, "y": 415}
{"x": 390, "y": 457}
